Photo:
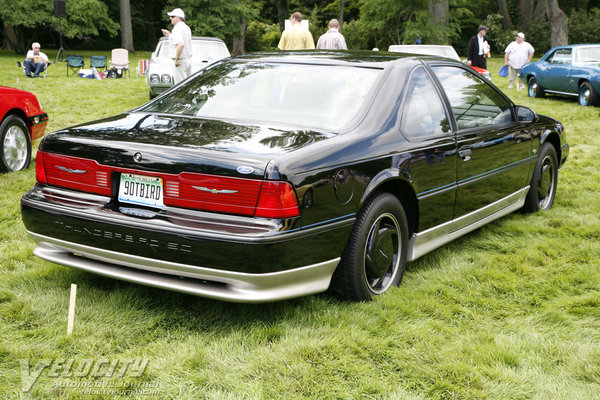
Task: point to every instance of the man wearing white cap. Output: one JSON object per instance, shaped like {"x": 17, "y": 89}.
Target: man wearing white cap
{"x": 517, "y": 54}
{"x": 180, "y": 45}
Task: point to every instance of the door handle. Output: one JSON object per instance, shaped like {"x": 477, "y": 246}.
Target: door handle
{"x": 465, "y": 154}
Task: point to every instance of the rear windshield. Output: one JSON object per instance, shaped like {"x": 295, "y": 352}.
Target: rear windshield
{"x": 320, "y": 96}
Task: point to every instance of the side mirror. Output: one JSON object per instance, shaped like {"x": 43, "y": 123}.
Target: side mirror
{"x": 525, "y": 114}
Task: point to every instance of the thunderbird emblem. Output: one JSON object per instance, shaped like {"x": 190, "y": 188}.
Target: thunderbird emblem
{"x": 214, "y": 191}
{"x": 71, "y": 171}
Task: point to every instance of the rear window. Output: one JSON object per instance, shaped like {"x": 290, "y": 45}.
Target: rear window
{"x": 320, "y": 96}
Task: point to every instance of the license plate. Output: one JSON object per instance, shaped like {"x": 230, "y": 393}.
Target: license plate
{"x": 141, "y": 190}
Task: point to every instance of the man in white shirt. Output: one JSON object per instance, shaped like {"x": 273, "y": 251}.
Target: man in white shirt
{"x": 517, "y": 54}
{"x": 180, "y": 45}
{"x": 35, "y": 61}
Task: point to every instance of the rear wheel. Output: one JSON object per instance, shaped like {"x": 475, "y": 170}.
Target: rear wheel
{"x": 534, "y": 89}
{"x": 587, "y": 95}
{"x": 542, "y": 188}
{"x": 375, "y": 256}
{"x": 15, "y": 144}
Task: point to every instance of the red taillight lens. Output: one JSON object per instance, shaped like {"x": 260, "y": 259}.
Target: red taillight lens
{"x": 251, "y": 197}
{"x": 40, "y": 171}
{"x": 277, "y": 200}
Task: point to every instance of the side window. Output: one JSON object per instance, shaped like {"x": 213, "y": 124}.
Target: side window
{"x": 423, "y": 114}
{"x": 561, "y": 57}
{"x": 474, "y": 103}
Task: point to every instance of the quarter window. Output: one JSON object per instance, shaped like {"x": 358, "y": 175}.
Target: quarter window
{"x": 474, "y": 102}
{"x": 423, "y": 114}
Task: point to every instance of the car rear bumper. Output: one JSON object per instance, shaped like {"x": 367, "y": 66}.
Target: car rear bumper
{"x": 205, "y": 282}
{"x": 219, "y": 256}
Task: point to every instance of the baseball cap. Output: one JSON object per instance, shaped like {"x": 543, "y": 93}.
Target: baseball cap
{"x": 178, "y": 12}
{"x": 521, "y": 35}
{"x": 482, "y": 28}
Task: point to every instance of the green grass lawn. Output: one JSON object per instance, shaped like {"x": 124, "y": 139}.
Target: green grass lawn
{"x": 510, "y": 311}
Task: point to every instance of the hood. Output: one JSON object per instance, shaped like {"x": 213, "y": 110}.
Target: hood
{"x": 175, "y": 144}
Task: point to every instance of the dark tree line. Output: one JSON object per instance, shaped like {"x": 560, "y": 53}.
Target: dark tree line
{"x": 251, "y": 25}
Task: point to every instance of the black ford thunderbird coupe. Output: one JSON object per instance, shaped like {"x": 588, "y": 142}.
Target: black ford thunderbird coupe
{"x": 271, "y": 176}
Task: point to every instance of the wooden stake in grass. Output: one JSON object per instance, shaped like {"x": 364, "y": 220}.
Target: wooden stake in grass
{"x": 71, "y": 319}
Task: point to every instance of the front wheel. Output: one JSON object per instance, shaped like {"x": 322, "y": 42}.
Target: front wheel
{"x": 375, "y": 256}
{"x": 534, "y": 89}
{"x": 587, "y": 95}
{"x": 15, "y": 145}
{"x": 542, "y": 188}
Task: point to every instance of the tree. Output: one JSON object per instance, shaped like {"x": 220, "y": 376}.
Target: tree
{"x": 223, "y": 19}
{"x": 440, "y": 10}
{"x": 126, "y": 31}
{"x": 559, "y": 31}
{"x": 506, "y": 20}
{"x": 24, "y": 20}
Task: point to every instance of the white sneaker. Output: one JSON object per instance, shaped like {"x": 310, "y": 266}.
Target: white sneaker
{"x": 510, "y": 86}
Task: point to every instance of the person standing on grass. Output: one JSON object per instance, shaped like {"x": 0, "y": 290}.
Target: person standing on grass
{"x": 332, "y": 39}
{"x": 296, "y": 38}
{"x": 517, "y": 54}
{"x": 180, "y": 45}
{"x": 478, "y": 48}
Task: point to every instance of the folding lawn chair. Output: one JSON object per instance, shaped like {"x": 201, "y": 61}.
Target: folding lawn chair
{"x": 45, "y": 70}
{"x": 74, "y": 62}
{"x": 119, "y": 60}
{"x": 98, "y": 62}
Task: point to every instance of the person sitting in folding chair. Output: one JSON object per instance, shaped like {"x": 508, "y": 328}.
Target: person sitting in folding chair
{"x": 35, "y": 61}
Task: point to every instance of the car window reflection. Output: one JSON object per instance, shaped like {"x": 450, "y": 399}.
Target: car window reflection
{"x": 423, "y": 115}
{"x": 306, "y": 95}
{"x": 474, "y": 103}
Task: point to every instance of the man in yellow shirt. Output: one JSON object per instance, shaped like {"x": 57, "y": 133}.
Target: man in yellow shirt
{"x": 296, "y": 38}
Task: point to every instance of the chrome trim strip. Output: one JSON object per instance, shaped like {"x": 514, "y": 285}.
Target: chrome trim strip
{"x": 206, "y": 282}
{"x": 563, "y": 93}
{"x": 423, "y": 242}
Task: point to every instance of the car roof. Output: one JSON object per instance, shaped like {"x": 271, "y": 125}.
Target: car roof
{"x": 207, "y": 38}
{"x": 571, "y": 46}
{"x": 364, "y": 58}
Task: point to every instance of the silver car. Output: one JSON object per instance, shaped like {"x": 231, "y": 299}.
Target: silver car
{"x": 205, "y": 51}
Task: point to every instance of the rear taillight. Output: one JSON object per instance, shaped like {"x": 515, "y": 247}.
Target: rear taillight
{"x": 40, "y": 172}
{"x": 250, "y": 197}
{"x": 277, "y": 200}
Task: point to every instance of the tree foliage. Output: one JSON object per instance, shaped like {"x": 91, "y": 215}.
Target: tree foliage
{"x": 27, "y": 18}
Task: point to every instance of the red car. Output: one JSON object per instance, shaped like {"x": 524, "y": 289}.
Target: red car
{"x": 23, "y": 124}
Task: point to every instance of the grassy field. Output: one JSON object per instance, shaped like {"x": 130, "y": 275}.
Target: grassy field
{"x": 510, "y": 311}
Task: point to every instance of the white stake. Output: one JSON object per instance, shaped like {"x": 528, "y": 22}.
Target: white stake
{"x": 71, "y": 319}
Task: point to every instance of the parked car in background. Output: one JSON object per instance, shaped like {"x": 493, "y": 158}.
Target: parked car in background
{"x": 435, "y": 50}
{"x": 270, "y": 176}
{"x": 23, "y": 124}
{"x": 572, "y": 70}
{"x": 205, "y": 51}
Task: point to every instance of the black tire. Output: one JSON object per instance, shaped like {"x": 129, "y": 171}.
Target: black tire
{"x": 587, "y": 95}
{"x": 542, "y": 188}
{"x": 534, "y": 89}
{"x": 375, "y": 256}
{"x": 15, "y": 144}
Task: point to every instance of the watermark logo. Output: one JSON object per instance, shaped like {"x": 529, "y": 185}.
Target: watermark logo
{"x": 83, "y": 373}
